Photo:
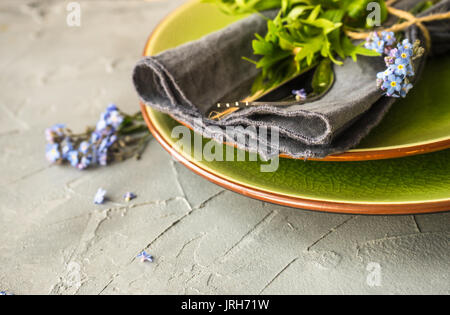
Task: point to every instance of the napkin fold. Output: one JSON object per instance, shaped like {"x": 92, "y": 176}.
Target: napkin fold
{"x": 188, "y": 80}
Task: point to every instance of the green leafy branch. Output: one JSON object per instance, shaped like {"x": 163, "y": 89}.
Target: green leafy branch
{"x": 303, "y": 33}
{"x": 236, "y": 7}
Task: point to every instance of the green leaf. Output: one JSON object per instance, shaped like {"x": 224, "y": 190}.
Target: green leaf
{"x": 326, "y": 25}
{"x": 269, "y": 60}
{"x": 323, "y": 77}
{"x": 310, "y": 49}
{"x": 352, "y": 50}
{"x": 298, "y": 11}
{"x": 335, "y": 40}
{"x": 261, "y": 47}
{"x": 286, "y": 42}
{"x": 357, "y": 8}
{"x": 334, "y": 15}
{"x": 314, "y": 14}
{"x": 234, "y": 7}
{"x": 360, "y": 50}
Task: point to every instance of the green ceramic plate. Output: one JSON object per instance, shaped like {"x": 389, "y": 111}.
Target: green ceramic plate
{"x": 415, "y": 125}
{"x": 414, "y": 184}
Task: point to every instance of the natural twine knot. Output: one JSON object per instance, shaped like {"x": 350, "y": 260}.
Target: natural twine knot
{"x": 410, "y": 20}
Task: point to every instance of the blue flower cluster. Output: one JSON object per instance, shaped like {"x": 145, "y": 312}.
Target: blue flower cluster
{"x": 105, "y": 134}
{"x": 394, "y": 81}
{"x": 82, "y": 151}
{"x": 381, "y": 43}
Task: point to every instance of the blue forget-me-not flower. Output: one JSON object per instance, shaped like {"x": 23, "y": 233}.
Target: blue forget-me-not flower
{"x": 100, "y": 196}
{"x": 395, "y": 80}
{"x": 145, "y": 257}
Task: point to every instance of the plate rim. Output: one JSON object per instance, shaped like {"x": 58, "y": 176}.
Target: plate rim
{"x": 352, "y": 155}
{"x": 369, "y": 208}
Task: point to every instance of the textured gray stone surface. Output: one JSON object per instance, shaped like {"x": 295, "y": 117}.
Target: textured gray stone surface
{"x": 53, "y": 240}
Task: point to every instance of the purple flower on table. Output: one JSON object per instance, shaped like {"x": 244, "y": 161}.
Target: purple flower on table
{"x": 103, "y": 147}
{"x": 73, "y": 158}
{"x": 392, "y": 84}
{"x": 52, "y": 153}
{"x": 102, "y": 158}
{"x": 105, "y": 115}
{"x": 84, "y": 162}
{"x": 111, "y": 117}
{"x": 102, "y": 122}
{"x": 115, "y": 119}
{"x": 100, "y": 196}
{"x": 101, "y": 125}
{"x": 95, "y": 137}
{"x": 54, "y": 133}
{"x": 95, "y": 146}
{"x": 112, "y": 107}
{"x": 145, "y": 257}
{"x": 84, "y": 147}
{"x": 102, "y": 152}
{"x": 49, "y": 135}
{"x": 300, "y": 95}
{"x": 67, "y": 147}
{"x": 112, "y": 139}
{"x": 129, "y": 196}
{"x": 4, "y": 293}
{"x": 107, "y": 142}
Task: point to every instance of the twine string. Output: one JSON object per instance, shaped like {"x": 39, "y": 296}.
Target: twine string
{"x": 410, "y": 20}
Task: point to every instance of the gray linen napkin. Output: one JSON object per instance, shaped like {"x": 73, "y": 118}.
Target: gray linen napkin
{"x": 186, "y": 81}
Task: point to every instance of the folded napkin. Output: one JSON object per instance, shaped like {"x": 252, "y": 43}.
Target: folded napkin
{"x": 188, "y": 80}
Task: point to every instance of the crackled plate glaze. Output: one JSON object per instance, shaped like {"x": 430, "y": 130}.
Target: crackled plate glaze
{"x": 415, "y": 184}
{"x": 415, "y": 125}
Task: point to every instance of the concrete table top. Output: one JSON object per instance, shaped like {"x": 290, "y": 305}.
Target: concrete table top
{"x": 54, "y": 240}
